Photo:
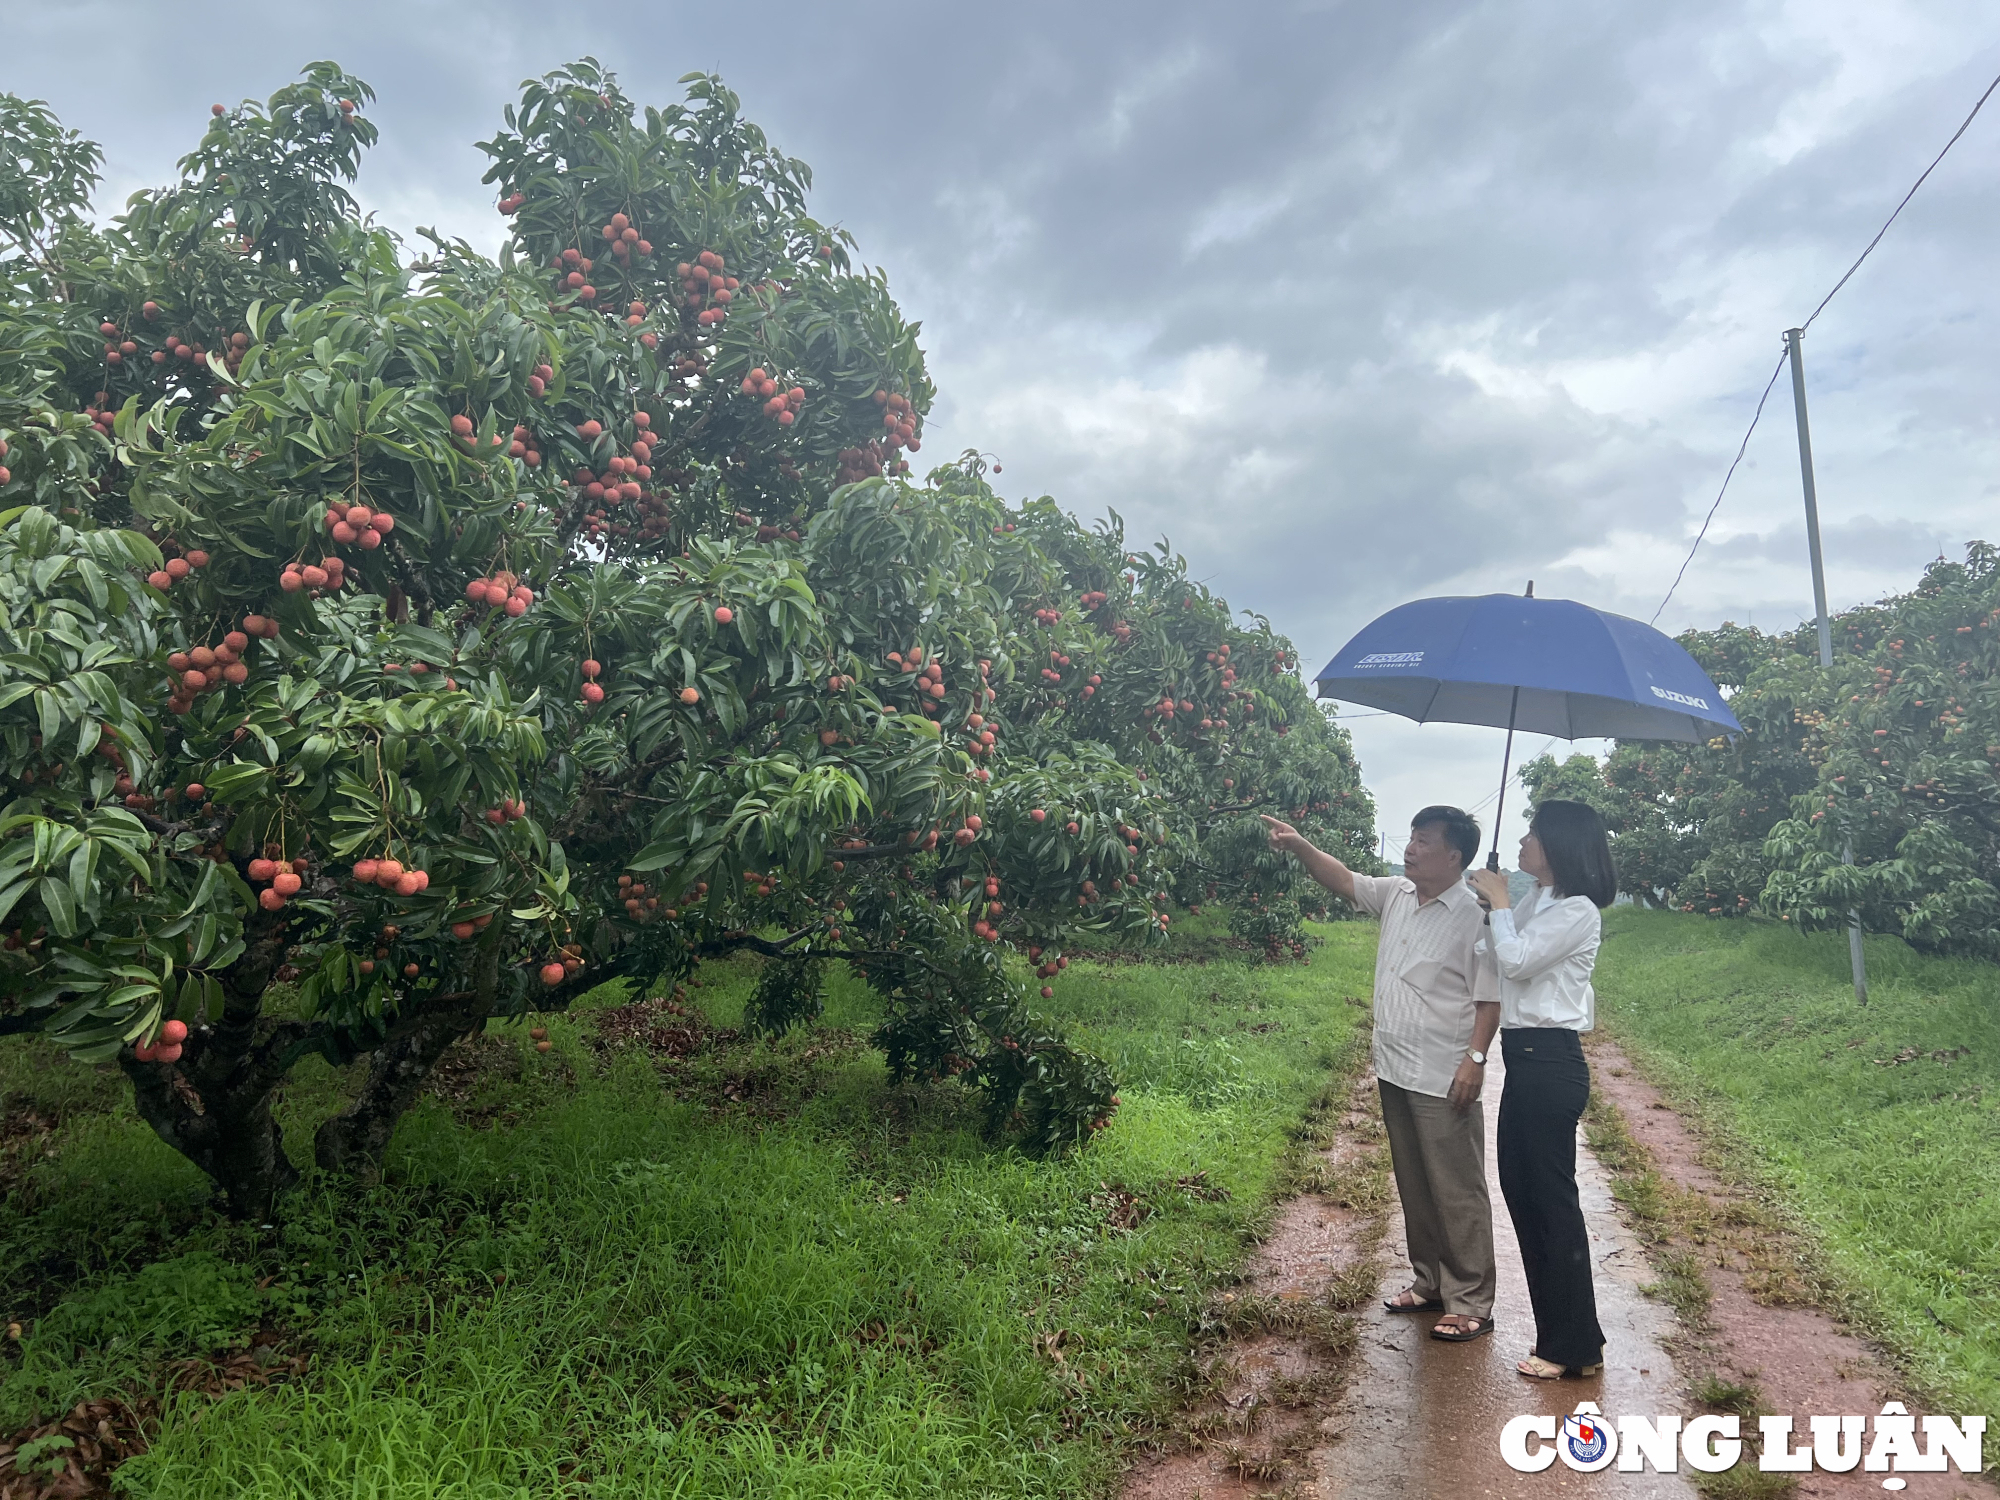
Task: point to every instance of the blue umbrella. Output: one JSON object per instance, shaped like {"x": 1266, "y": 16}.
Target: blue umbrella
{"x": 1546, "y": 666}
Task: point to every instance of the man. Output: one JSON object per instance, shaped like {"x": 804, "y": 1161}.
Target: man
{"x": 1436, "y": 1011}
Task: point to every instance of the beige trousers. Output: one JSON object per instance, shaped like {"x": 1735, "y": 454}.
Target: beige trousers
{"x": 1440, "y": 1158}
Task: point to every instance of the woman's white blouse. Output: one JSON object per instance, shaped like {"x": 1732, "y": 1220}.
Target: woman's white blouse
{"x": 1544, "y": 951}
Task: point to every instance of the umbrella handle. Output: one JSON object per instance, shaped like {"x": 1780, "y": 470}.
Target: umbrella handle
{"x": 1506, "y": 760}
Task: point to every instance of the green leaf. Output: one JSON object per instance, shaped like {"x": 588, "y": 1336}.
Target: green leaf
{"x": 60, "y": 905}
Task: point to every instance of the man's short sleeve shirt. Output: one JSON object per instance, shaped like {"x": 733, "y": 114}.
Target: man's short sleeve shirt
{"x": 1427, "y": 975}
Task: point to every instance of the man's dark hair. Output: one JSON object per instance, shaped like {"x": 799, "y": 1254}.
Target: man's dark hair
{"x": 1461, "y": 830}
{"x": 1578, "y": 850}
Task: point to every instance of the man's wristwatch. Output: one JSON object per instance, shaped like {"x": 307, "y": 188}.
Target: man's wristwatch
{"x": 1477, "y": 1056}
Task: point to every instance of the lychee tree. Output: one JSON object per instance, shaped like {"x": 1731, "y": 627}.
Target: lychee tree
{"x": 1893, "y": 755}
{"x": 444, "y": 637}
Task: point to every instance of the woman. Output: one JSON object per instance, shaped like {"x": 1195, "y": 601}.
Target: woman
{"x": 1544, "y": 950}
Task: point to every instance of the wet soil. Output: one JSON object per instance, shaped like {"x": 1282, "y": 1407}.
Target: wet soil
{"x": 1285, "y": 1336}
{"x": 1422, "y": 1420}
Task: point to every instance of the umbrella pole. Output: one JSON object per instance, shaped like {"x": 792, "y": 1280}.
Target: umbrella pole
{"x": 1506, "y": 761}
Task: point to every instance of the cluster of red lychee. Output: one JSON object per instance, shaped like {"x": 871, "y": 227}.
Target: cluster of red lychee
{"x": 465, "y": 929}
{"x": 991, "y": 907}
{"x": 865, "y": 462}
{"x": 782, "y": 406}
{"x": 541, "y": 378}
{"x": 568, "y": 963}
{"x": 900, "y": 418}
{"x": 315, "y": 578}
{"x": 501, "y": 591}
{"x": 635, "y": 317}
{"x": 704, "y": 286}
{"x": 203, "y": 669}
{"x": 282, "y": 879}
{"x": 391, "y": 876}
{"x": 1047, "y": 967}
{"x": 1050, "y": 672}
{"x": 101, "y": 417}
{"x": 358, "y": 525}
{"x": 165, "y": 1046}
{"x": 235, "y": 349}
{"x": 464, "y": 429}
{"x": 390, "y": 933}
{"x": 929, "y": 675}
{"x": 639, "y": 902}
{"x": 511, "y": 204}
{"x": 983, "y": 736}
{"x": 510, "y": 808}
{"x": 593, "y": 692}
{"x": 5, "y": 476}
{"x": 1093, "y": 600}
{"x": 174, "y": 569}
{"x": 522, "y": 446}
{"x": 572, "y": 269}
{"x": 108, "y": 748}
{"x": 207, "y": 667}
{"x": 1048, "y": 617}
{"x": 624, "y": 478}
{"x": 767, "y": 532}
{"x": 624, "y": 239}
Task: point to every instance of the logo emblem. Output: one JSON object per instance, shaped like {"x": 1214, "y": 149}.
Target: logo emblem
{"x": 1390, "y": 659}
{"x": 1673, "y": 697}
{"x": 1587, "y": 1443}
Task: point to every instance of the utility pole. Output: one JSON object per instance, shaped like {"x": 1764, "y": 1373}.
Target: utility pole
{"x": 1793, "y": 339}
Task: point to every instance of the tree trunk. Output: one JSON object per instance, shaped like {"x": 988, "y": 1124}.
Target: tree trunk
{"x": 215, "y": 1107}
{"x": 230, "y": 1135}
{"x": 354, "y": 1140}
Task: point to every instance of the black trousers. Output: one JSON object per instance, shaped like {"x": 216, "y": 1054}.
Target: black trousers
{"x": 1548, "y": 1084}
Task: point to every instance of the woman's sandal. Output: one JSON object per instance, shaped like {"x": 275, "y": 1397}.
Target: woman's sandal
{"x": 1537, "y": 1368}
{"x": 1396, "y": 1303}
{"x": 1465, "y": 1331}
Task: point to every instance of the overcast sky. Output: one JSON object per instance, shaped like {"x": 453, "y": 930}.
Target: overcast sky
{"x": 1353, "y": 302}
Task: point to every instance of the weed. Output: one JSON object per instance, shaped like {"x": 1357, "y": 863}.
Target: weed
{"x": 668, "y": 1258}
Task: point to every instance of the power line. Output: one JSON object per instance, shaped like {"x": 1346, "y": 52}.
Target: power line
{"x": 1995, "y": 84}
{"x": 1740, "y": 449}
{"x": 1546, "y": 746}
{"x": 1963, "y": 125}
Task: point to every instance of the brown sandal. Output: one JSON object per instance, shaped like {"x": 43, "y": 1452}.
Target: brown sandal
{"x": 1396, "y": 1303}
{"x": 1462, "y": 1334}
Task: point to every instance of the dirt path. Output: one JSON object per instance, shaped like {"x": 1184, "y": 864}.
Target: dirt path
{"x": 1322, "y": 1395}
{"x": 1800, "y": 1360}
{"x": 1410, "y": 1416}
{"x": 1423, "y": 1418}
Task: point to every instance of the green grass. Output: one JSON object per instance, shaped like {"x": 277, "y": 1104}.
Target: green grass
{"x": 602, "y": 1279}
{"x": 1891, "y": 1168}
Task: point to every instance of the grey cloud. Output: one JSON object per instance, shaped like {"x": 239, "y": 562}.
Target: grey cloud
{"x": 1354, "y": 302}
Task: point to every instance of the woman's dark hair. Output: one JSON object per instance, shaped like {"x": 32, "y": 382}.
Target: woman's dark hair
{"x": 1461, "y": 831}
{"x": 1578, "y": 849}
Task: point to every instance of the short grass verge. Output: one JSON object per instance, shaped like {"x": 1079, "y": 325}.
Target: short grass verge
{"x": 1870, "y": 1134}
{"x": 726, "y": 1268}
